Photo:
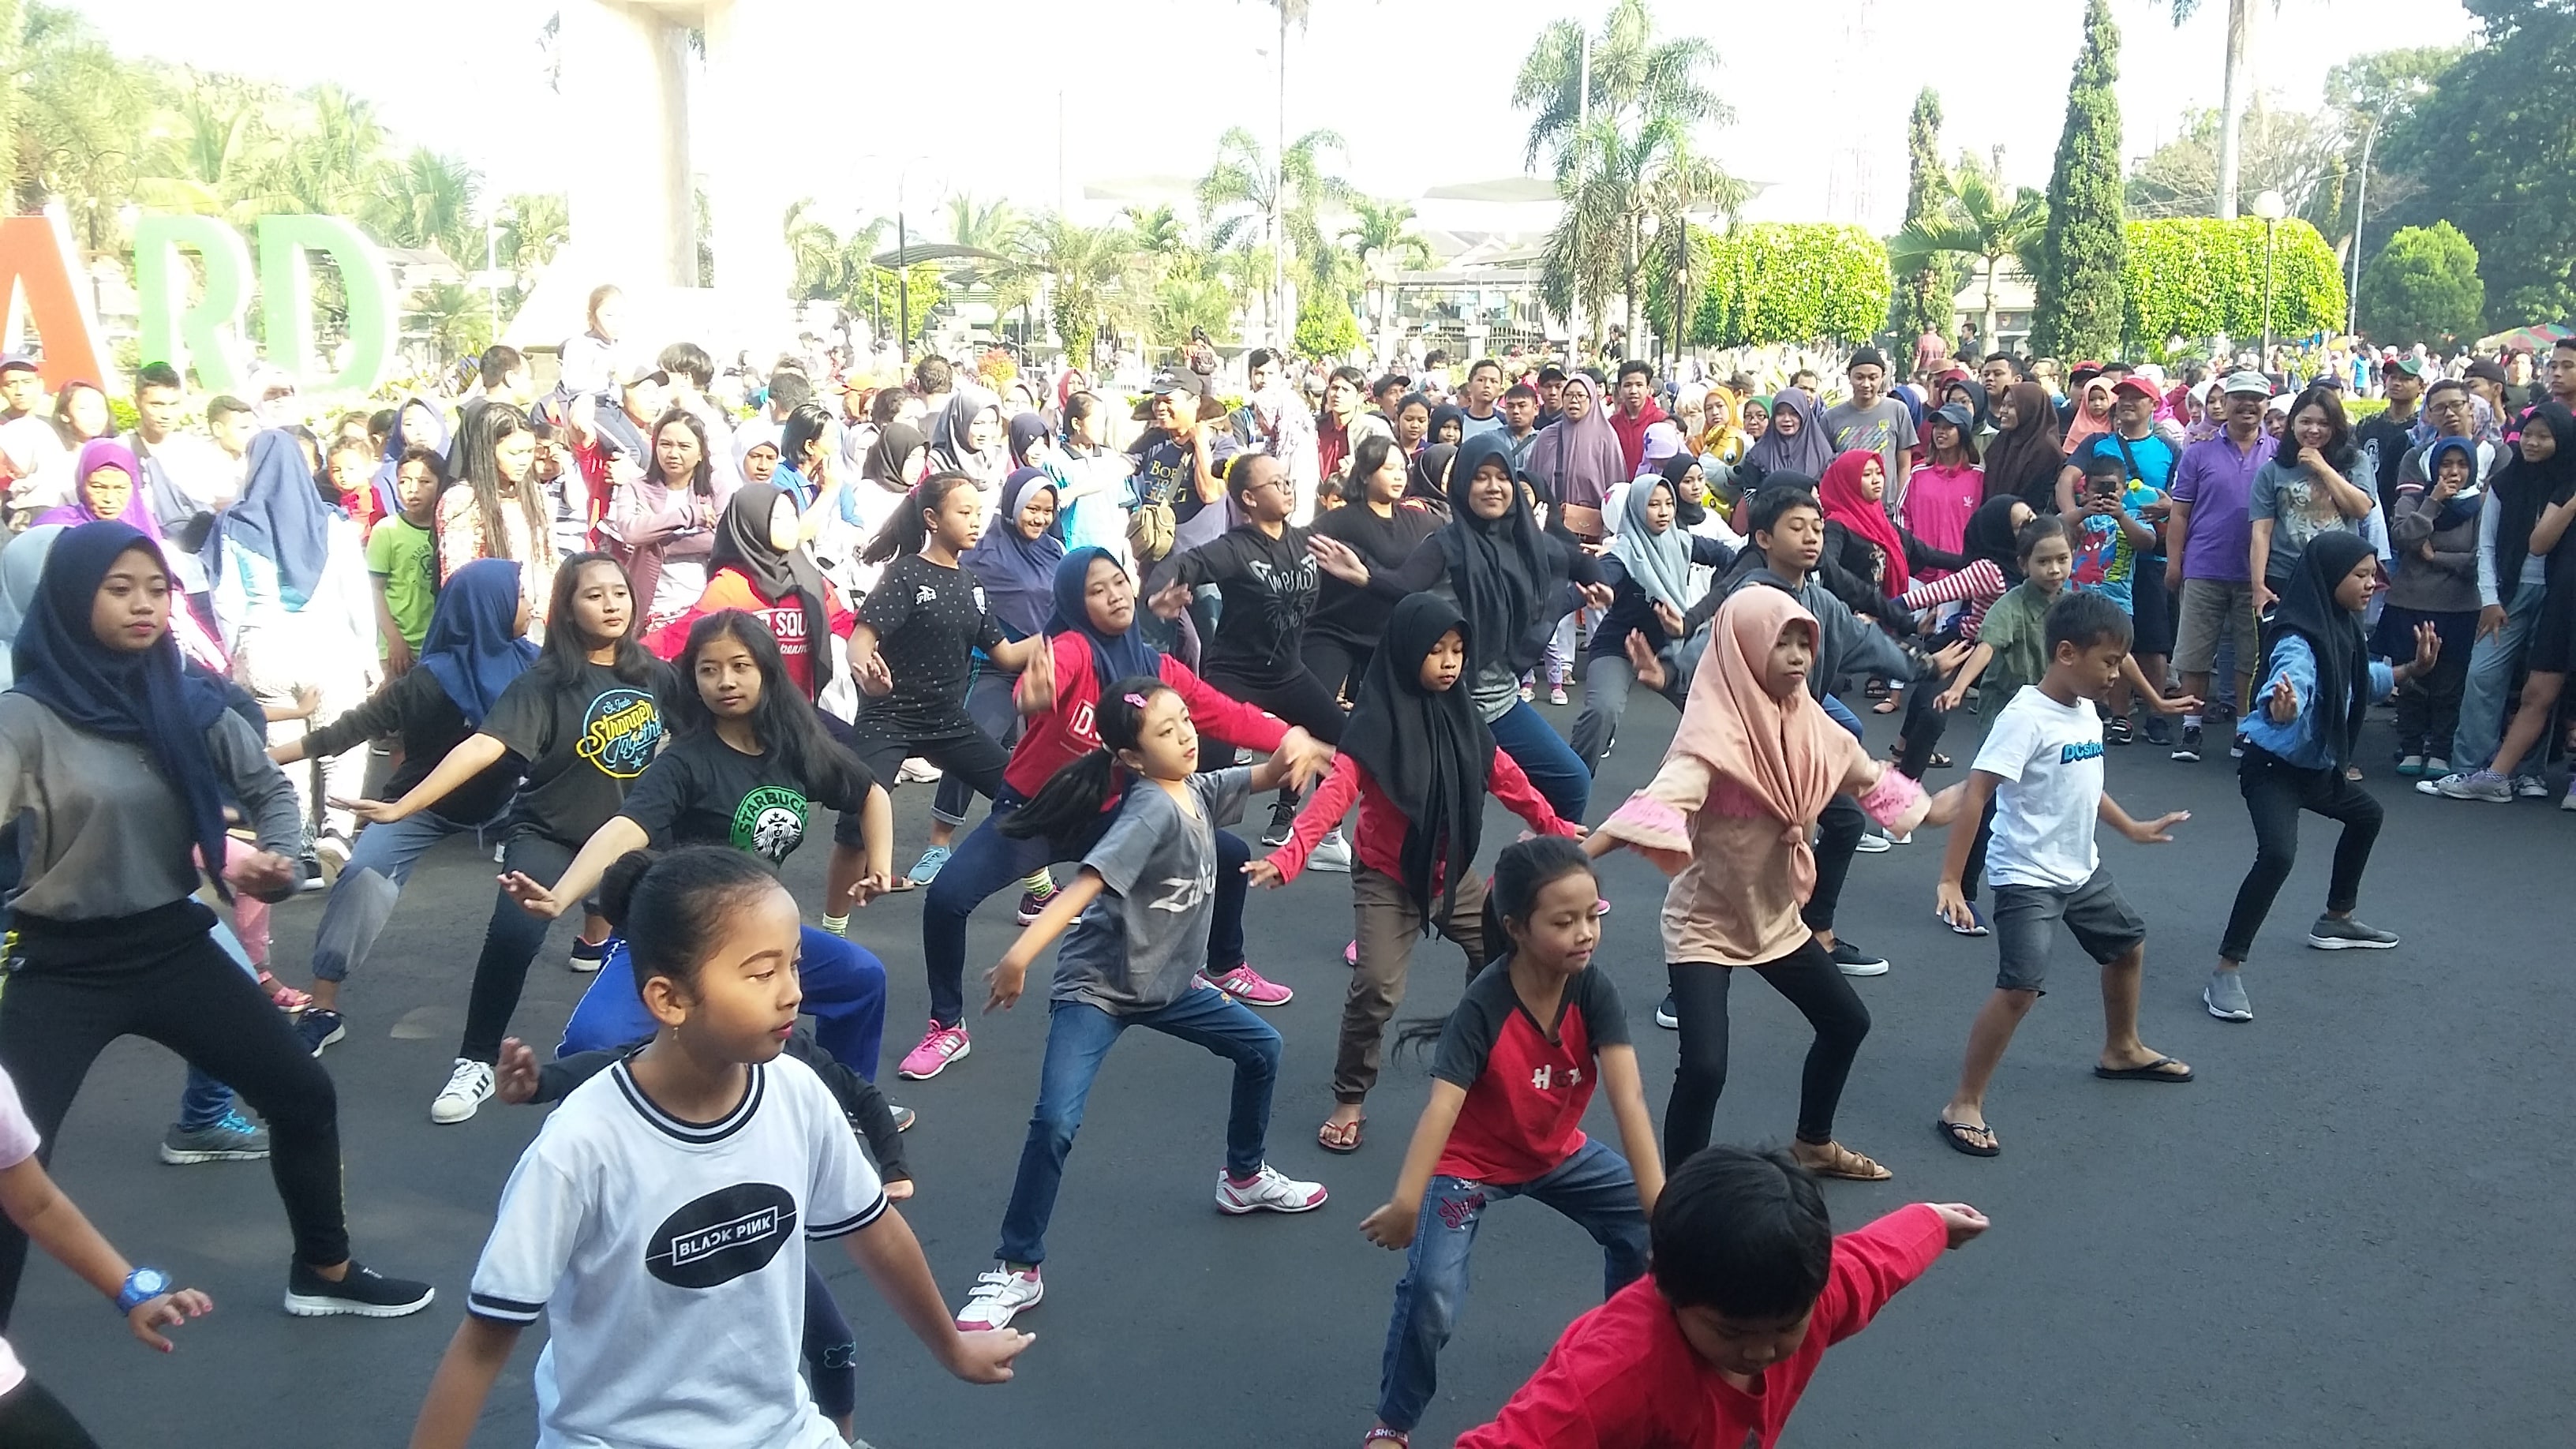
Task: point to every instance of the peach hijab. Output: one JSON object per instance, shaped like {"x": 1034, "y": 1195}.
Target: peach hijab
{"x": 1783, "y": 755}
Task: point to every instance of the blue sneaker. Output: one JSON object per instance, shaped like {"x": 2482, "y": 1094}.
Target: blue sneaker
{"x": 1977, "y": 917}
{"x": 926, "y": 869}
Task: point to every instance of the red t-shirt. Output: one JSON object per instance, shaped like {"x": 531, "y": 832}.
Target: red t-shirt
{"x": 1523, "y": 1116}
{"x": 1623, "y": 1377}
{"x": 727, "y": 588}
{"x": 1383, "y": 824}
{"x": 1065, "y": 732}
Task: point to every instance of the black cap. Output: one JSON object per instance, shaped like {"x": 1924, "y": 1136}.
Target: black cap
{"x": 1867, "y": 357}
{"x": 1178, "y": 379}
{"x": 643, "y": 372}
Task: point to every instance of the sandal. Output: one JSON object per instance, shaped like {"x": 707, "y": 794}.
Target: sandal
{"x": 1965, "y": 1138}
{"x": 1889, "y": 705}
{"x": 2119, "y": 731}
{"x": 1845, "y": 1164}
{"x": 287, "y": 998}
{"x": 1344, "y": 1139}
{"x": 1939, "y": 761}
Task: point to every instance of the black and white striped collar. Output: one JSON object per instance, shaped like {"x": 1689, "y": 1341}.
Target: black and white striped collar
{"x": 695, "y": 1134}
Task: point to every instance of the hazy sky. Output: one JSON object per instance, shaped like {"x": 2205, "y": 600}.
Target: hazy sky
{"x": 1419, "y": 88}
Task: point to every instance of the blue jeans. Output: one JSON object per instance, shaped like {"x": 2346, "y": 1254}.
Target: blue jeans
{"x": 1841, "y": 714}
{"x": 2491, "y": 665}
{"x": 1593, "y": 1187}
{"x": 1078, "y": 1039}
{"x": 363, "y": 898}
{"x": 1544, "y": 756}
{"x": 987, "y": 861}
{"x": 844, "y": 987}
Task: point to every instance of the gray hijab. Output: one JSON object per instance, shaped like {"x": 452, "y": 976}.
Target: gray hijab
{"x": 949, "y": 437}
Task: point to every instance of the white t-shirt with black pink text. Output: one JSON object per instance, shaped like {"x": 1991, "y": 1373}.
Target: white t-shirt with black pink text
{"x": 668, "y": 1258}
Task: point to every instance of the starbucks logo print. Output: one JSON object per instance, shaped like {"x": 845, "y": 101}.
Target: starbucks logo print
{"x": 770, "y": 822}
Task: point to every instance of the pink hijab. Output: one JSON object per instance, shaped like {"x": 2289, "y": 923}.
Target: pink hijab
{"x": 2081, "y": 425}
{"x": 1781, "y": 752}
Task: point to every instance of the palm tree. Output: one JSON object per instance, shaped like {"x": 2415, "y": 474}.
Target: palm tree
{"x": 1083, "y": 270}
{"x": 212, "y": 158}
{"x": 814, "y": 251}
{"x": 432, "y": 204}
{"x": 1592, "y": 252}
{"x": 1381, "y": 232}
{"x": 1158, "y": 232}
{"x": 2232, "y": 98}
{"x": 1978, "y": 223}
{"x": 1681, "y": 183}
{"x": 536, "y": 225}
{"x": 1243, "y": 188}
{"x": 336, "y": 161}
{"x": 1633, "y": 75}
{"x": 76, "y": 121}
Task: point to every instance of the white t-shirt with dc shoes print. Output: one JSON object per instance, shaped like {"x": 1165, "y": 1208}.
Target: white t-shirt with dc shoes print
{"x": 668, "y": 1259}
{"x": 2049, "y": 757}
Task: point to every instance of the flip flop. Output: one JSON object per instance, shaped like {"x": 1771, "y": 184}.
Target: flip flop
{"x": 1344, "y": 1141}
{"x": 2153, "y": 1071}
{"x": 1957, "y": 1135}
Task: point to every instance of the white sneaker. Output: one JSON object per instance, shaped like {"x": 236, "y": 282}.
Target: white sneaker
{"x": 1871, "y": 844}
{"x": 468, "y": 1087}
{"x": 999, "y": 1296}
{"x": 917, "y": 772}
{"x": 1331, "y": 853}
{"x": 1267, "y": 1192}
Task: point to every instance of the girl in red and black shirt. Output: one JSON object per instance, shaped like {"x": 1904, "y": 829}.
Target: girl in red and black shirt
{"x": 1419, "y": 761}
{"x": 1516, "y": 1066}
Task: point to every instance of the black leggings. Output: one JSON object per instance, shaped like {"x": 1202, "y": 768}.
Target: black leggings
{"x": 1924, "y": 722}
{"x": 1336, "y": 662}
{"x": 2275, "y": 792}
{"x": 831, "y": 1351}
{"x": 1303, "y": 700}
{"x": 1814, "y": 985}
{"x": 30, "y": 1418}
{"x": 958, "y": 748}
{"x": 74, "y": 987}
{"x": 511, "y": 940}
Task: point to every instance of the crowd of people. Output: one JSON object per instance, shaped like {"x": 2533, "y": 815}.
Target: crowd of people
{"x": 628, "y": 636}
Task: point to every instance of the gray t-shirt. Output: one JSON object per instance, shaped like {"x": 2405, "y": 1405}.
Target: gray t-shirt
{"x": 1140, "y": 945}
{"x": 1886, "y": 429}
{"x": 2299, "y": 508}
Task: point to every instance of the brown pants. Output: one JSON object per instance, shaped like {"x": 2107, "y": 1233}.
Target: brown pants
{"x": 1388, "y": 925}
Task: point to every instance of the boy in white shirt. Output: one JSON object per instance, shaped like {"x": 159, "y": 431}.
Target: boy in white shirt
{"x": 2042, "y": 764}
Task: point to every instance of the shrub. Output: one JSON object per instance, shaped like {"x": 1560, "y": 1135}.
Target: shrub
{"x": 1780, "y": 282}
{"x": 1325, "y": 326}
{"x": 2196, "y": 276}
{"x": 2423, "y": 287}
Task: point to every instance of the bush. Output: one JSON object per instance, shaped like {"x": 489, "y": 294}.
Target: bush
{"x": 2359, "y": 410}
{"x": 2197, "y": 276}
{"x": 1780, "y": 282}
{"x": 2423, "y": 287}
{"x": 1325, "y": 326}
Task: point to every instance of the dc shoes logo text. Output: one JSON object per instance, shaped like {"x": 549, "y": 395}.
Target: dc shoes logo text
{"x": 2080, "y": 750}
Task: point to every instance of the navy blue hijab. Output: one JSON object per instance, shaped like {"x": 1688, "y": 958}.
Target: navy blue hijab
{"x": 1113, "y": 656}
{"x": 143, "y": 696}
{"x": 474, "y": 647}
{"x": 280, "y": 517}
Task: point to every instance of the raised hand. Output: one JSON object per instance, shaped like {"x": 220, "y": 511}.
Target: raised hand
{"x": 1963, "y": 1221}
{"x": 2428, "y": 649}
{"x": 1649, "y": 665}
{"x": 1670, "y": 618}
{"x": 1264, "y": 873}
{"x": 533, "y": 898}
{"x": 2282, "y": 704}
{"x": 2158, "y": 831}
{"x": 873, "y": 678}
{"x": 514, "y": 1077}
{"x": 1338, "y": 559}
{"x": 1172, "y": 601}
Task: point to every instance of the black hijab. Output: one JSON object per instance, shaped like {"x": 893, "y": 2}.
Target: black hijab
{"x": 742, "y": 544}
{"x": 1989, "y": 535}
{"x": 144, "y": 697}
{"x": 2522, "y": 489}
{"x": 1509, "y": 576}
{"x": 1428, "y": 751}
{"x": 1427, "y": 477}
{"x": 2334, "y": 635}
{"x": 884, "y": 461}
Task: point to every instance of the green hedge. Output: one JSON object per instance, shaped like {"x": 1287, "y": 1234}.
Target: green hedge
{"x": 1785, "y": 282}
{"x": 2196, "y": 276}
{"x": 1325, "y": 326}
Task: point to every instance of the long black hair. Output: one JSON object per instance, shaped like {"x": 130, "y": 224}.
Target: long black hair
{"x": 1522, "y": 870}
{"x": 671, "y": 906}
{"x": 1075, "y": 794}
{"x": 783, "y": 721}
{"x": 702, "y": 480}
{"x": 805, "y": 423}
{"x": 474, "y": 464}
{"x": 2339, "y": 450}
{"x": 909, "y": 529}
{"x": 566, "y": 651}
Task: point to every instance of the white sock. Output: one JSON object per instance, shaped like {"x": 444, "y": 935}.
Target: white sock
{"x": 2191, "y": 721}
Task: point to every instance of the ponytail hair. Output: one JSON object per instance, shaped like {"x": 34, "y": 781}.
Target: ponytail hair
{"x": 1075, "y": 794}
{"x": 909, "y": 528}
{"x": 1523, "y": 870}
{"x": 671, "y": 908}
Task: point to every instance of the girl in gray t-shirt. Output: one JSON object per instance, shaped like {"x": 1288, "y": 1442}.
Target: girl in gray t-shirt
{"x": 1135, "y": 927}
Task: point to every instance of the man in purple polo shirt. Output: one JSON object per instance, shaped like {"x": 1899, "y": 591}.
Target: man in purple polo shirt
{"x": 2206, "y": 538}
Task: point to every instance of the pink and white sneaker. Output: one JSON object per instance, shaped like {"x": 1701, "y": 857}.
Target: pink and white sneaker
{"x": 1267, "y": 1191}
{"x": 1251, "y": 987}
{"x": 939, "y": 1046}
{"x": 999, "y": 1296}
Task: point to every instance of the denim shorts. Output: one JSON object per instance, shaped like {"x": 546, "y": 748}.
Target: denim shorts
{"x": 2095, "y": 911}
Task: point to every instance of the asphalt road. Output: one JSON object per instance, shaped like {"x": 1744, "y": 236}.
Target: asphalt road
{"x": 2349, "y": 1232}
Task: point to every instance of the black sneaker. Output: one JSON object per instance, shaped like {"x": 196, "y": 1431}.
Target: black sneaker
{"x": 1853, "y": 961}
{"x": 2189, "y": 750}
{"x": 363, "y": 1293}
{"x": 320, "y": 1028}
{"x": 2119, "y": 731}
{"x": 589, "y": 956}
{"x": 1283, "y": 818}
{"x": 2159, "y": 730}
{"x": 1666, "y": 1017}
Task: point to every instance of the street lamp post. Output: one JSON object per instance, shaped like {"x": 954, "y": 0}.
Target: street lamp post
{"x": 2269, "y": 206}
{"x": 2360, "y": 201}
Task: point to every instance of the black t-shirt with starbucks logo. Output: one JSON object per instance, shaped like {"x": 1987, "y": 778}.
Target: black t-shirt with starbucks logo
{"x": 586, "y": 739}
{"x": 702, "y": 791}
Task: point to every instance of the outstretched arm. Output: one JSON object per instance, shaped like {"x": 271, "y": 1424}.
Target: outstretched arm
{"x": 1008, "y": 978}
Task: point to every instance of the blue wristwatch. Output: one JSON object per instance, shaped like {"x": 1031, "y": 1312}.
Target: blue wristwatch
{"x": 141, "y": 1285}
